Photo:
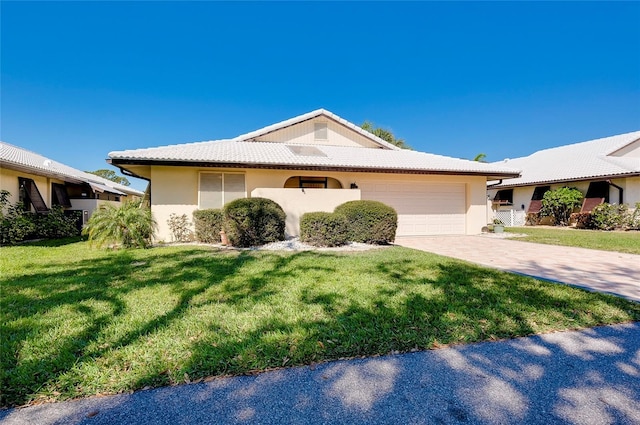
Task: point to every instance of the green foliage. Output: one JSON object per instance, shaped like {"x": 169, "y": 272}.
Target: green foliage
{"x": 110, "y": 175}
{"x": 208, "y": 224}
{"x": 128, "y": 225}
{"x": 55, "y": 224}
{"x": 323, "y": 229}
{"x": 253, "y": 221}
{"x": 179, "y": 226}
{"x": 384, "y": 134}
{"x": 560, "y": 203}
{"x": 17, "y": 225}
{"x": 609, "y": 217}
{"x": 481, "y": 157}
{"x": 369, "y": 221}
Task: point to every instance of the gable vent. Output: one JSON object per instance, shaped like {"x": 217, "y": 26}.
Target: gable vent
{"x": 320, "y": 131}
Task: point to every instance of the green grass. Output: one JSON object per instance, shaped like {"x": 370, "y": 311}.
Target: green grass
{"x": 79, "y": 321}
{"x": 628, "y": 242}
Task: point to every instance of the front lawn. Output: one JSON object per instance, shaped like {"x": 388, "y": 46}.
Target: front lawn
{"x": 618, "y": 241}
{"x": 79, "y": 321}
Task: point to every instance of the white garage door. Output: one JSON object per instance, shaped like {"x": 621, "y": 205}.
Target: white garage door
{"x": 423, "y": 208}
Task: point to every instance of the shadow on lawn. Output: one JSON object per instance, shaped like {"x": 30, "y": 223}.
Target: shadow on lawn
{"x": 415, "y": 304}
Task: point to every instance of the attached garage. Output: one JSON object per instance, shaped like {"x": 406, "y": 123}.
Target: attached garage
{"x": 423, "y": 208}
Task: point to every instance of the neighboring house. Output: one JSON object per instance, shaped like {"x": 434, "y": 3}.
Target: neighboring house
{"x": 605, "y": 170}
{"x": 315, "y": 162}
{"x": 39, "y": 183}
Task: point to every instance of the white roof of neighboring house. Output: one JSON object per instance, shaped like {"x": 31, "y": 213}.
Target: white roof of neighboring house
{"x": 579, "y": 161}
{"x": 242, "y": 152}
{"x": 15, "y": 157}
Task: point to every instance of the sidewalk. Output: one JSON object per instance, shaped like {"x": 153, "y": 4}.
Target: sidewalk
{"x": 586, "y": 377}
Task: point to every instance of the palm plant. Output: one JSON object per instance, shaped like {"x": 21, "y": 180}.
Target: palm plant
{"x": 128, "y": 225}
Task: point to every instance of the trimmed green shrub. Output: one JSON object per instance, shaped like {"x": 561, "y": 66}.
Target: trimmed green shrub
{"x": 208, "y": 224}
{"x": 560, "y": 203}
{"x": 608, "y": 216}
{"x": 324, "y": 229}
{"x": 253, "y": 221}
{"x": 369, "y": 221}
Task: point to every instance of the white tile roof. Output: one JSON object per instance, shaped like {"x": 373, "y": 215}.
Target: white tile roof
{"x": 578, "y": 161}
{"x": 240, "y": 152}
{"x": 12, "y": 156}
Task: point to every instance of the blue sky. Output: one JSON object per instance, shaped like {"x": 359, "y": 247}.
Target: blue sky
{"x": 81, "y": 79}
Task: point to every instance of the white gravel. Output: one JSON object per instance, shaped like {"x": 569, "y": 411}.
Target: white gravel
{"x": 294, "y": 244}
{"x": 290, "y": 244}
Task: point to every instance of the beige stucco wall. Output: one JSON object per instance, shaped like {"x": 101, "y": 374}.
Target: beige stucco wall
{"x": 296, "y": 202}
{"x": 9, "y": 182}
{"x": 175, "y": 190}
{"x": 303, "y": 133}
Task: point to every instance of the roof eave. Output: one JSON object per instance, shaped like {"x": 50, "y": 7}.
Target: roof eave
{"x": 575, "y": 179}
{"x": 490, "y": 175}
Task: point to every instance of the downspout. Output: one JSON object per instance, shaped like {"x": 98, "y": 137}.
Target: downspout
{"x": 620, "y": 191}
{"x": 494, "y": 184}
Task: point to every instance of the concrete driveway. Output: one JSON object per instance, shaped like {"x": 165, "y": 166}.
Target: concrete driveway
{"x": 595, "y": 270}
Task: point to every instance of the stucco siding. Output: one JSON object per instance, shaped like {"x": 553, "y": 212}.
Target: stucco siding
{"x": 175, "y": 190}
{"x": 304, "y": 133}
{"x": 9, "y": 182}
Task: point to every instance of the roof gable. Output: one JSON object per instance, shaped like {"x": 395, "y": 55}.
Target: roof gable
{"x": 301, "y": 130}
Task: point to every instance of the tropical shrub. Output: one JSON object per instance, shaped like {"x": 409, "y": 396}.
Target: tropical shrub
{"x": 560, "y": 203}
{"x": 179, "y": 226}
{"x": 608, "y": 216}
{"x": 369, "y": 221}
{"x": 128, "y": 225}
{"x": 253, "y": 221}
{"x": 208, "y": 224}
{"x": 582, "y": 220}
{"x": 55, "y": 224}
{"x": 633, "y": 218}
{"x": 323, "y": 229}
{"x": 532, "y": 219}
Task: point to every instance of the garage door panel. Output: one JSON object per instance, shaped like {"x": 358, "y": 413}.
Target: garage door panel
{"x": 423, "y": 208}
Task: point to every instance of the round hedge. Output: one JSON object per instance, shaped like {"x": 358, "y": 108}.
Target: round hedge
{"x": 369, "y": 221}
{"x": 324, "y": 229}
{"x": 253, "y": 221}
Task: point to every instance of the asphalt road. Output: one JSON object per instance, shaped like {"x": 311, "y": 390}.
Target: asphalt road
{"x": 584, "y": 377}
